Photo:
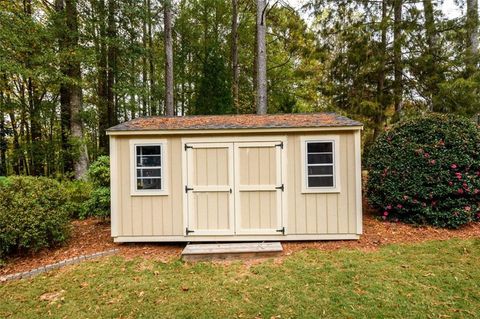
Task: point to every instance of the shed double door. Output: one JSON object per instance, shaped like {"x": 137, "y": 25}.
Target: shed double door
{"x": 234, "y": 188}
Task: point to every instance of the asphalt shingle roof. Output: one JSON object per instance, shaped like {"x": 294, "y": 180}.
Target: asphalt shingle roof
{"x": 243, "y": 121}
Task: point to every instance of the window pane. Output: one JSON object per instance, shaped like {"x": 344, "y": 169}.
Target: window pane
{"x": 154, "y": 160}
{"x": 148, "y": 150}
{"x": 156, "y": 172}
{"x": 149, "y": 183}
{"x": 320, "y": 181}
{"x": 314, "y": 147}
{"x": 320, "y": 170}
{"x": 320, "y": 158}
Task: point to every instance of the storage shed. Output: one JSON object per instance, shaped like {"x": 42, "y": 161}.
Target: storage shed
{"x": 236, "y": 178}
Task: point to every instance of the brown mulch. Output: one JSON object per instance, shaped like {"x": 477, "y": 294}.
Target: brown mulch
{"x": 92, "y": 235}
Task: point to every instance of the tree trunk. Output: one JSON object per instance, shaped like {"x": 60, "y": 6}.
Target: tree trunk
{"x": 234, "y": 57}
{"x": 153, "y": 88}
{"x": 102, "y": 81}
{"x": 167, "y": 16}
{"x": 432, "y": 52}
{"x": 3, "y": 135}
{"x": 145, "y": 91}
{"x": 381, "y": 74}
{"x": 65, "y": 111}
{"x": 472, "y": 37}
{"x": 261, "y": 97}
{"x": 112, "y": 112}
{"x": 75, "y": 91}
{"x": 397, "y": 55}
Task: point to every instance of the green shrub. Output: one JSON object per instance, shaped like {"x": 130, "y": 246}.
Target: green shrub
{"x": 78, "y": 193}
{"x": 32, "y": 214}
{"x": 99, "y": 172}
{"x": 427, "y": 171}
{"x": 99, "y": 175}
{"x": 99, "y": 203}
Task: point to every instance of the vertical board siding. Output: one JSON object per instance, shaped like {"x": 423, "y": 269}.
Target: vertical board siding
{"x": 312, "y": 213}
{"x": 321, "y": 213}
{"x": 150, "y": 215}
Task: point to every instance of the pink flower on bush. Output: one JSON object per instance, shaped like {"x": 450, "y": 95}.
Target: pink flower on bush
{"x": 450, "y": 183}
{"x": 405, "y": 197}
{"x": 433, "y": 162}
{"x": 426, "y": 155}
{"x": 399, "y": 206}
{"x": 385, "y": 213}
{"x": 460, "y": 191}
{"x": 475, "y": 191}
{"x": 467, "y": 208}
{"x": 453, "y": 166}
{"x": 458, "y": 175}
{"x": 389, "y": 206}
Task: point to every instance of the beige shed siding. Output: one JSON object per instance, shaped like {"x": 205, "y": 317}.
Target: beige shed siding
{"x": 312, "y": 213}
{"x": 317, "y": 213}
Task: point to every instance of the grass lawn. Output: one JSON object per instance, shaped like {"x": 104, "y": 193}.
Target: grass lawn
{"x": 439, "y": 279}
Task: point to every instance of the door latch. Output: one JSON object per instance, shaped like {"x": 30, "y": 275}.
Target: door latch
{"x": 188, "y": 189}
{"x": 188, "y": 231}
{"x": 281, "y": 230}
{"x": 281, "y": 187}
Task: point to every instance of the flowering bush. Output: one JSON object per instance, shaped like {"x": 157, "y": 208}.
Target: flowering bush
{"x": 427, "y": 171}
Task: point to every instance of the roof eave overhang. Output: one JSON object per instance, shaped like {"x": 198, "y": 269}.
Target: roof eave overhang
{"x": 234, "y": 131}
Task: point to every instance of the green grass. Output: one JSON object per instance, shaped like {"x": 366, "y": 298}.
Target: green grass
{"x": 438, "y": 279}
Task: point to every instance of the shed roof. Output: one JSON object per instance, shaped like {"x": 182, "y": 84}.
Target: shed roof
{"x": 243, "y": 121}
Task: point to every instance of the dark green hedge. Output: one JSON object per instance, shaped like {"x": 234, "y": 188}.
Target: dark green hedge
{"x": 33, "y": 214}
{"x": 427, "y": 171}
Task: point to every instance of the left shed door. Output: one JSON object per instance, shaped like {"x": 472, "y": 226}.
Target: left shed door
{"x": 210, "y": 189}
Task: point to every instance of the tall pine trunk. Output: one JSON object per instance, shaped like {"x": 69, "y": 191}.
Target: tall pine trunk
{"x": 397, "y": 55}
{"x": 75, "y": 91}
{"x": 472, "y": 37}
{"x": 112, "y": 64}
{"x": 432, "y": 72}
{"x": 65, "y": 111}
{"x": 234, "y": 58}
{"x": 167, "y": 16}
{"x": 102, "y": 89}
{"x": 379, "y": 117}
{"x": 153, "y": 88}
{"x": 261, "y": 64}
{"x": 3, "y": 134}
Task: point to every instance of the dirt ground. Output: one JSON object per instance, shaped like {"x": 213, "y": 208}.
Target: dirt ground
{"x": 93, "y": 235}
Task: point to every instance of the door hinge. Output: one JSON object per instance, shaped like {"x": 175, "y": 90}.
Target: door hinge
{"x": 187, "y": 147}
{"x": 188, "y": 189}
{"x": 281, "y": 187}
{"x": 281, "y": 230}
{"x": 188, "y": 231}
{"x": 280, "y": 145}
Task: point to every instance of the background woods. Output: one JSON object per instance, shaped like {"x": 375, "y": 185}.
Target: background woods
{"x": 70, "y": 69}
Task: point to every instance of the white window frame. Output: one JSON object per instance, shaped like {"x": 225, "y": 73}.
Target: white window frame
{"x": 335, "y": 140}
{"x": 163, "y": 167}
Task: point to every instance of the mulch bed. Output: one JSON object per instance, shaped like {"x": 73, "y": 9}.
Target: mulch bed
{"x": 92, "y": 235}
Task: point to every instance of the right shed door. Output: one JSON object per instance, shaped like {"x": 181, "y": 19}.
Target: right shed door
{"x": 258, "y": 188}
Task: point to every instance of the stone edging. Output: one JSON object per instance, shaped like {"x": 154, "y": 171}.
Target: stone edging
{"x": 66, "y": 262}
